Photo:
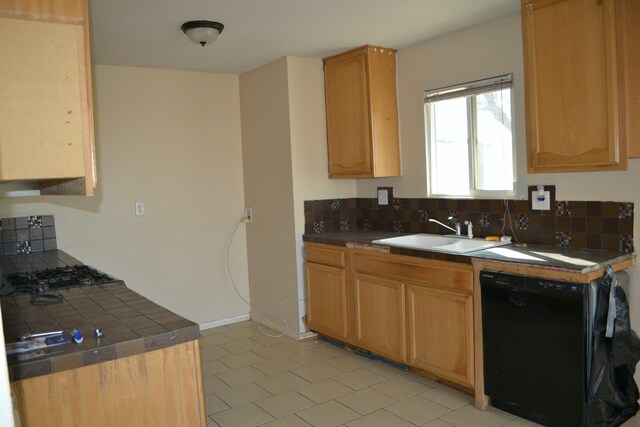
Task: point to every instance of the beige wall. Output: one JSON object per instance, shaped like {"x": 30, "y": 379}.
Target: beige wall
{"x": 483, "y": 51}
{"x": 268, "y": 189}
{"x": 309, "y": 149}
{"x": 172, "y": 140}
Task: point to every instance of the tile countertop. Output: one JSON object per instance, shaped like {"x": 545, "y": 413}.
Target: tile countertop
{"x": 131, "y": 323}
{"x": 574, "y": 259}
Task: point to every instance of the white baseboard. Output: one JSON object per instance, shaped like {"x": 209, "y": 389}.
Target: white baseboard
{"x": 227, "y": 321}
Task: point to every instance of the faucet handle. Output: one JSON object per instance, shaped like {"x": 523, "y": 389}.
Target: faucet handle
{"x": 469, "y": 228}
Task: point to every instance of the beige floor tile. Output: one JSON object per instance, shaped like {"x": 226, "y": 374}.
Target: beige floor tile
{"x": 242, "y": 325}
{"x": 349, "y": 362}
{"x": 241, "y": 346}
{"x": 366, "y": 400}
{"x": 437, "y": 423}
{"x": 275, "y": 351}
{"x": 380, "y": 418}
{"x": 359, "y": 379}
{"x": 449, "y": 397}
{"x": 290, "y": 421}
{"x": 213, "y": 404}
{"x": 468, "y": 416}
{"x": 213, "y": 353}
{"x": 240, "y": 360}
{"x": 335, "y": 350}
{"x": 424, "y": 380}
{"x": 401, "y": 388}
{"x": 502, "y": 413}
{"x": 280, "y": 383}
{"x": 307, "y": 357}
{"x": 330, "y": 413}
{"x": 213, "y": 331}
{"x": 213, "y": 340}
{"x": 212, "y": 384}
{"x": 316, "y": 371}
{"x": 276, "y": 366}
{"x": 418, "y": 410}
{"x": 242, "y": 334}
{"x": 284, "y": 404}
{"x": 385, "y": 370}
{"x": 241, "y": 376}
{"x": 267, "y": 341}
{"x": 242, "y": 394}
{"x": 632, "y": 422}
{"x": 244, "y": 416}
{"x": 307, "y": 344}
{"x": 520, "y": 422}
{"x": 213, "y": 367}
{"x": 211, "y": 423}
{"x": 324, "y": 390}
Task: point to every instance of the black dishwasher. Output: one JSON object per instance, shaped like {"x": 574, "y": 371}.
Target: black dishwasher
{"x": 535, "y": 346}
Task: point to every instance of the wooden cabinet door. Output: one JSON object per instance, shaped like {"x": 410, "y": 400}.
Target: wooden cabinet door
{"x": 441, "y": 333}
{"x": 574, "y": 105}
{"x": 327, "y": 300}
{"x": 348, "y": 116}
{"x": 380, "y": 316}
{"x": 46, "y": 115}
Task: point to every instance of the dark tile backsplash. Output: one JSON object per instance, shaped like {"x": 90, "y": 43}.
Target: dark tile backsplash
{"x": 596, "y": 225}
{"x": 27, "y": 234}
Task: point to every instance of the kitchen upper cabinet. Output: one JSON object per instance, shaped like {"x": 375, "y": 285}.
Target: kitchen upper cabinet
{"x": 327, "y": 293}
{"x": 380, "y": 324}
{"x": 362, "y": 113}
{"x": 631, "y": 40}
{"x": 575, "y": 96}
{"x": 46, "y": 114}
{"x": 441, "y": 332}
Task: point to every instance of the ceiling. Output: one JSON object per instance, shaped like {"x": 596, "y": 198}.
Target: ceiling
{"x": 146, "y": 33}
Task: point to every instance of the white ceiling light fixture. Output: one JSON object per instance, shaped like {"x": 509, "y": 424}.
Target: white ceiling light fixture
{"x": 202, "y": 32}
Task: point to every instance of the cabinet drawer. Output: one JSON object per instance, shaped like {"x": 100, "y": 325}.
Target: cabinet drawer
{"x": 453, "y": 276}
{"x": 326, "y": 255}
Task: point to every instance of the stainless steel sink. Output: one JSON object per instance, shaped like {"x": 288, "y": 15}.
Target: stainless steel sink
{"x": 438, "y": 243}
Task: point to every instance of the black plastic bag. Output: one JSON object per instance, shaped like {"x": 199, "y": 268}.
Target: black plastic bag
{"x": 612, "y": 395}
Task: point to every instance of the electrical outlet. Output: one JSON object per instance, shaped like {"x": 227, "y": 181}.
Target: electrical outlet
{"x": 383, "y": 196}
{"x": 139, "y": 208}
{"x": 541, "y": 200}
{"x": 248, "y": 214}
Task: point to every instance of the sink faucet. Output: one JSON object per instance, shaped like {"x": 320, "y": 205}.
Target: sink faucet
{"x": 453, "y": 220}
{"x": 469, "y": 229}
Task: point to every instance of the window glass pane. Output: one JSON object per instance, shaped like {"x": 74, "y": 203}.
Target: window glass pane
{"x": 449, "y": 148}
{"x": 494, "y": 157}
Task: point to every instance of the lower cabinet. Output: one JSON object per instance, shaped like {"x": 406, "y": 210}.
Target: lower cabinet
{"x": 414, "y": 311}
{"x": 441, "y": 332}
{"x": 327, "y": 293}
{"x": 380, "y": 323}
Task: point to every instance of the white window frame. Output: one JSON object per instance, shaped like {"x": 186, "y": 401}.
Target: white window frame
{"x": 456, "y": 91}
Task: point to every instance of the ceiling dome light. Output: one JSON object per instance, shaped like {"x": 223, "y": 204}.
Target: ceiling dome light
{"x": 202, "y": 32}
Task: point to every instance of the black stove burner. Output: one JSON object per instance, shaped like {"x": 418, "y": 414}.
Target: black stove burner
{"x": 40, "y": 281}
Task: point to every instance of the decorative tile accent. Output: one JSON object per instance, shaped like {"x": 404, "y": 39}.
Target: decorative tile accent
{"x": 397, "y": 204}
{"x": 625, "y": 243}
{"x": 563, "y": 239}
{"x": 397, "y": 226}
{"x": 625, "y": 210}
{"x": 522, "y": 222}
{"x": 318, "y": 227}
{"x": 27, "y": 234}
{"x": 366, "y": 224}
{"x": 563, "y": 208}
{"x": 423, "y": 216}
{"x": 335, "y": 204}
{"x": 374, "y": 203}
{"x": 344, "y": 225}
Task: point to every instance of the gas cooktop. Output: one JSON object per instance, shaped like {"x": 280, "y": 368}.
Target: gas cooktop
{"x": 41, "y": 281}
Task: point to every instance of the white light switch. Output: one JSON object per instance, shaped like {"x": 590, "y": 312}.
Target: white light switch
{"x": 383, "y": 196}
{"x": 139, "y": 208}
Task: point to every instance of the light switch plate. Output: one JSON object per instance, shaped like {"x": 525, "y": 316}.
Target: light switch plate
{"x": 383, "y": 196}
{"x": 140, "y": 209}
{"x": 541, "y": 205}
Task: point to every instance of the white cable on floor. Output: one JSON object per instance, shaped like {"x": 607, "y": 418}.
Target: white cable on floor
{"x": 269, "y": 309}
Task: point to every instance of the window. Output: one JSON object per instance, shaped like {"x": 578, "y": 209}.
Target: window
{"x": 469, "y": 134}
